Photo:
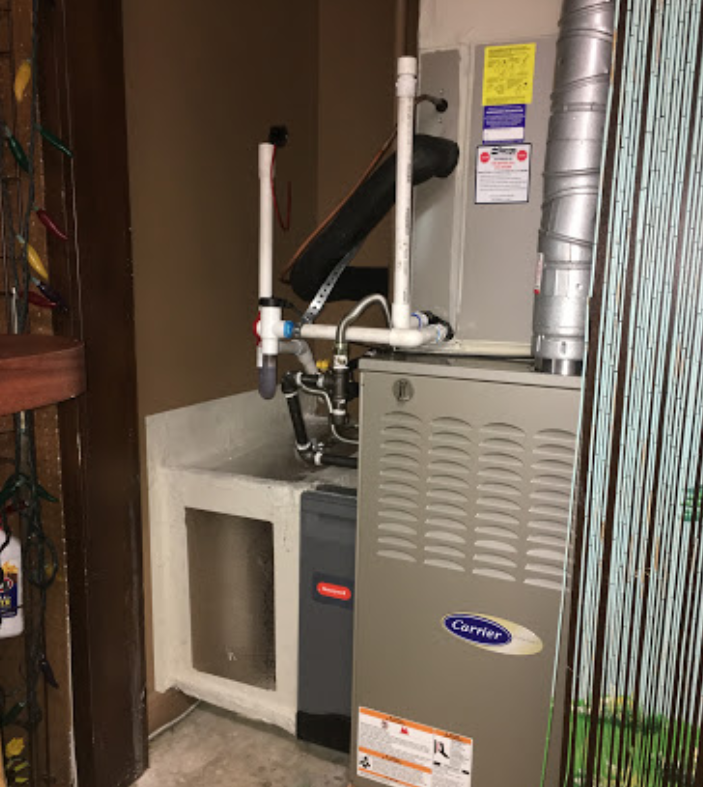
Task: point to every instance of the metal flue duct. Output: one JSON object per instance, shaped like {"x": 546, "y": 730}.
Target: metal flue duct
{"x": 571, "y": 184}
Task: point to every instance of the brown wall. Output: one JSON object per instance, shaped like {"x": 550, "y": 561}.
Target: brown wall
{"x": 202, "y": 89}
{"x": 356, "y": 112}
{"x": 204, "y": 83}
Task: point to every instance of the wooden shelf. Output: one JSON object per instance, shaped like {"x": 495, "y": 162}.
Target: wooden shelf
{"x": 39, "y": 370}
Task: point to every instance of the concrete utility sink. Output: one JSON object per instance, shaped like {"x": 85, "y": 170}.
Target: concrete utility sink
{"x": 276, "y": 462}
{"x": 229, "y": 465}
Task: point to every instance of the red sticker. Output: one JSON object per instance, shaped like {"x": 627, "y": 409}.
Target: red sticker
{"x": 334, "y": 591}
{"x": 522, "y": 155}
{"x": 485, "y": 157}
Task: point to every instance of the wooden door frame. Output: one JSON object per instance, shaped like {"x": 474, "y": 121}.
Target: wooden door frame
{"x": 82, "y": 95}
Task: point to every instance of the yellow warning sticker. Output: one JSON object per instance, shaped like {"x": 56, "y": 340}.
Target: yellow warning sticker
{"x": 508, "y": 74}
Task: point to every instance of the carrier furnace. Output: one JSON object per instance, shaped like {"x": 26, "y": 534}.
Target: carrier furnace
{"x": 466, "y": 453}
{"x": 465, "y": 477}
{"x": 466, "y": 466}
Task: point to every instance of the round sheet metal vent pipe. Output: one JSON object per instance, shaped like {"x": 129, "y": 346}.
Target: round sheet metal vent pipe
{"x": 571, "y": 184}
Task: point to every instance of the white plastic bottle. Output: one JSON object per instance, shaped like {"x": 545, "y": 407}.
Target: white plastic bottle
{"x": 11, "y": 610}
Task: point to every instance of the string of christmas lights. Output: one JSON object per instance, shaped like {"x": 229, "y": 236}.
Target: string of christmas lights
{"x": 26, "y": 281}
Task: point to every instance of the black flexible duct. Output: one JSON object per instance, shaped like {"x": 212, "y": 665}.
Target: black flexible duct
{"x": 432, "y": 158}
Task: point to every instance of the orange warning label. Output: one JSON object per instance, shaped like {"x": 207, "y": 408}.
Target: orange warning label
{"x": 405, "y": 763}
{"x": 396, "y": 751}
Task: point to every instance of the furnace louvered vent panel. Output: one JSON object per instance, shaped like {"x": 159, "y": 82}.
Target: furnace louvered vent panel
{"x": 400, "y": 486}
{"x": 480, "y": 496}
{"x": 448, "y": 495}
{"x": 549, "y": 508}
{"x": 499, "y": 492}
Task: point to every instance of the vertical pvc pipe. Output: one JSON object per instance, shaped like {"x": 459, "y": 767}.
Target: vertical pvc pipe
{"x": 406, "y": 90}
{"x": 270, "y": 312}
{"x": 265, "y": 221}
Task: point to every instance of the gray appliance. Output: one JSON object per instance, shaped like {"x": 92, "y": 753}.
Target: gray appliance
{"x": 465, "y": 478}
{"x": 468, "y": 257}
{"x": 327, "y": 552}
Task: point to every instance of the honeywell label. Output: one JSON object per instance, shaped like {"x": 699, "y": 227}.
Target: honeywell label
{"x": 396, "y": 751}
{"x": 503, "y": 174}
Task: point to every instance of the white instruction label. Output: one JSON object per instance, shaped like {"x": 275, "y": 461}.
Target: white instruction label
{"x": 503, "y": 174}
{"x": 396, "y": 751}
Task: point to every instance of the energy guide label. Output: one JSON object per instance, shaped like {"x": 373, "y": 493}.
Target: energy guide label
{"x": 396, "y": 751}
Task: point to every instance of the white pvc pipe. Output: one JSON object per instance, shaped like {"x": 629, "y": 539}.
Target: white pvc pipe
{"x": 265, "y": 221}
{"x": 270, "y": 315}
{"x": 406, "y": 90}
{"x": 385, "y": 337}
{"x": 268, "y": 327}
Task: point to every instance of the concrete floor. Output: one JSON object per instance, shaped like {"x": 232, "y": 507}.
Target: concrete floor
{"x": 218, "y": 749}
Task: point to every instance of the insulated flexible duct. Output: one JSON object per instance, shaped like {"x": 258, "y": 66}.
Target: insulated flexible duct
{"x": 432, "y": 157}
{"x": 572, "y": 184}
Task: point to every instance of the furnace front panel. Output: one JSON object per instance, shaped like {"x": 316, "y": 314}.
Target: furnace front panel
{"x": 465, "y": 482}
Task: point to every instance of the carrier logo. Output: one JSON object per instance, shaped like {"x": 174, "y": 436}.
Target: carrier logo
{"x": 495, "y": 634}
{"x": 478, "y": 630}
